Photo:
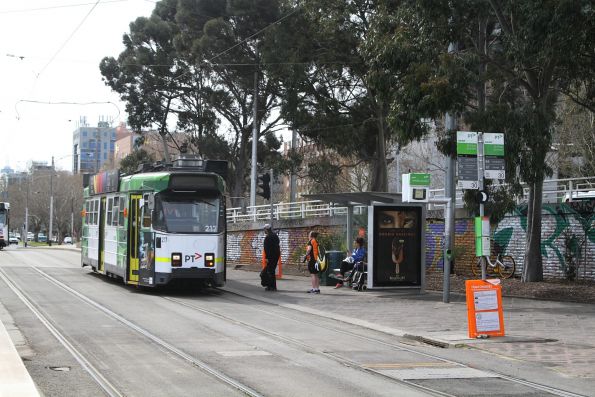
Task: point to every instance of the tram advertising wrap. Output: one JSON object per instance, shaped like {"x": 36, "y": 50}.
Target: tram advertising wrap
{"x": 397, "y": 246}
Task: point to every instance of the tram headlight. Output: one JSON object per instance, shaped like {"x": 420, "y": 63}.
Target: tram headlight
{"x": 176, "y": 259}
{"x": 209, "y": 260}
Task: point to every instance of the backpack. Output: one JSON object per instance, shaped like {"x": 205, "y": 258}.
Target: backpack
{"x": 321, "y": 262}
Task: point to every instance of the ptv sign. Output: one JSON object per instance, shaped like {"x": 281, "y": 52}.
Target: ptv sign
{"x": 478, "y": 151}
{"x": 467, "y": 143}
{"x": 494, "y": 156}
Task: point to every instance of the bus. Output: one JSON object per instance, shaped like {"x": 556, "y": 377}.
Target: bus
{"x": 163, "y": 224}
{"x": 4, "y": 224}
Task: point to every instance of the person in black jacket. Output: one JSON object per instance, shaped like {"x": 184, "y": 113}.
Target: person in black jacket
{"x": 272, "y": 252}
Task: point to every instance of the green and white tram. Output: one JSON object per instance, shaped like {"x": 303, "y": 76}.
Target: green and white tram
{"x": 158, "y": 226}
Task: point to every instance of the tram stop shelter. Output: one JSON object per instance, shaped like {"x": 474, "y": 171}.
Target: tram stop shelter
{"x": 396, "y": 237}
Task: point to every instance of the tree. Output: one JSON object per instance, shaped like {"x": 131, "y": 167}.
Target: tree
{"x": 517, "y": 56}
{"x": 34, "y": 193}
{"x": 190, "y": 61}
{"x": 318, "y": 55}
{"x": 574, "y": 140}
{"x": 147, "y": 72}
{"x": 130, "y": 163}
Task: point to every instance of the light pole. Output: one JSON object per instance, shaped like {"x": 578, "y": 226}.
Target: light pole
{"x": 72, "y": 218}
{"x": 51, "y": 202}
{"x": 27, "y": 214}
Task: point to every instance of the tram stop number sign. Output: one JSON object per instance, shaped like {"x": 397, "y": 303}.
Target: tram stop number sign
{"x": 484, "y": 308}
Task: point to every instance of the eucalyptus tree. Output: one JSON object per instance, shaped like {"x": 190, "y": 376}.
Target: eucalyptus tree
{"x": 514, "y": 59}
{"x": 318, "y": 54}
{"x": 193, "y": 63}
{"x": 148, "y": 73}
{"x": 224, "y": 38}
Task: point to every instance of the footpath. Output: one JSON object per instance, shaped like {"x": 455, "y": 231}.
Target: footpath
{"x": 559, "y": 335}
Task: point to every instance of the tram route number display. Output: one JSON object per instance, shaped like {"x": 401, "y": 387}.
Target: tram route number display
{"x": 484, "y": 308}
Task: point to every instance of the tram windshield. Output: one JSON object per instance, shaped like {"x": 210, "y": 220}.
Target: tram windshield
{"x": 186, "y": 213}
{"x": 2, "y": 217}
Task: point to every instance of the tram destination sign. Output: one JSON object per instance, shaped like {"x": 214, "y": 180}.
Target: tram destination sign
{"x": 468, "y": 174}
{"x": 494, "y": 155}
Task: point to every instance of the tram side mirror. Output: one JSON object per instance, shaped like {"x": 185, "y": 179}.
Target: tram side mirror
{"x": 151, "y": 202}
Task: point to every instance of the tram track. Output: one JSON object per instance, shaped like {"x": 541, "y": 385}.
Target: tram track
{"x": 96, "y": 375}
{"x": 346, "y": 361}
{"x": 112, "y": 391}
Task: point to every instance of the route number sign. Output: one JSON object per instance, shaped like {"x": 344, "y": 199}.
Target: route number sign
{"x": 467, "y": 160}
{"x": 494, "y": 156}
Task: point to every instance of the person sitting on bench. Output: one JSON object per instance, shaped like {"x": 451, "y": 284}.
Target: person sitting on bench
{"x": 358, "y": 255}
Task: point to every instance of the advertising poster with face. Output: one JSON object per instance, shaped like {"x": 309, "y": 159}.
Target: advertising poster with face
{"x": 397, "y": 246}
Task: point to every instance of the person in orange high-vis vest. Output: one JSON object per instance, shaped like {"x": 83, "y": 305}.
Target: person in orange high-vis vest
{"x": 311, "y": 257}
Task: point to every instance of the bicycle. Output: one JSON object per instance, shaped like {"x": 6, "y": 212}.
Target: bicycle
{"x": 504, "y": 266}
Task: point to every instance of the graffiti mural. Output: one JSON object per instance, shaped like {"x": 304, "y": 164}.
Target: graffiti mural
{"x": 567, "y": 240}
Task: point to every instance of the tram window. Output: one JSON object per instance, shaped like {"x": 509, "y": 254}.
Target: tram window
{"x": 121, "y": 217}
{"x": 96, "y": 212}
{"x": 110, "y": 207}
{"x": 186, "y": 213}
{"x": 115, "y": 210}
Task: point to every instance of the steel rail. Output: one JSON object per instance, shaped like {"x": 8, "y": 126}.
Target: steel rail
{"x": 199, "y": 363}
{"x": 534, "y": 385}
{"x": 109, "y": 389}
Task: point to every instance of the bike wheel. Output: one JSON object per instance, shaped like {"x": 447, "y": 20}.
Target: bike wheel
{"x": 476, "y": 266}
{"x": 506, "y": 266}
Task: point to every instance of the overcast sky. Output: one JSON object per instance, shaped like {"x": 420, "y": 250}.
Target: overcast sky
{"x": 33, "y": 67}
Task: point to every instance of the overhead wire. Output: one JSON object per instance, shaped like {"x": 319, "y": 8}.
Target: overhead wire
{"x": 64, "y": 103}
{"x": 68, "y": 39}
{"x": 24, "y": 10}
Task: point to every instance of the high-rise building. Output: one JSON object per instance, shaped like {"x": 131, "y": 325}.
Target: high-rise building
{"x": 92, "y": 147}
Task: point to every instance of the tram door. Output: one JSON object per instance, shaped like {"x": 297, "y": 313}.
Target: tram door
{"x": 101, "y": 264}
{"x": 133, "y": 234}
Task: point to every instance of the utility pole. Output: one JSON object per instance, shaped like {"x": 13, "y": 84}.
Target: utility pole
{"x": 449, "y": 216}
{"x": 27, "y": 214}
{"x": 254, "y": 142}
{"x": 293, "y": 178}
{"x": 72, "y": 218}
{"x": 272, "y": 209}
{"x": 480, "y": 172}
{"x": 51, "y": 202}
{"x": 450, "y": 193}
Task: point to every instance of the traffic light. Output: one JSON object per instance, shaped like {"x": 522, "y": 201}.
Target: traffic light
{"x": 264, "y": 183}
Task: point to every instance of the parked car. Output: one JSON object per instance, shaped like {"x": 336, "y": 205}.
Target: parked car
{"x": 30, "y": 236}
{"x": 67, "y": 240}
{"x": 12, "y": 239}
{"x": 42, "y": 238}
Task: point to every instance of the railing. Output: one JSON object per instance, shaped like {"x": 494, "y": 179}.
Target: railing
{"x": 295, "y": 210}
{"x": 554, "y": 191}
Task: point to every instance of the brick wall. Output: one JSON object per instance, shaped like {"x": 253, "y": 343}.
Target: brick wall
{"x": 568, "y": 233}
{"x": 245, "y": 240}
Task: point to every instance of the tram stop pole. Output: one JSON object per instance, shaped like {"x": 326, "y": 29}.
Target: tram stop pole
{"x": 447, "y": 254}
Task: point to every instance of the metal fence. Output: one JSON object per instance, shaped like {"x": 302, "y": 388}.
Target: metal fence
{"x": 554, "y": 191}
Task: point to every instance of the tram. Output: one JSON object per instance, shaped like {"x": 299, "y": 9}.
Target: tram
{"x": 158, "y": 226}
{"x": 4, "y": 224}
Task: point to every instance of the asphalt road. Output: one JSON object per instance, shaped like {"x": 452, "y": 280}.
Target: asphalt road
{"x": 81, "y": 334}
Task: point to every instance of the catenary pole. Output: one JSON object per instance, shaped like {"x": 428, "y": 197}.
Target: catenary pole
{"x": 254, "y": 142}
{"x": 451, "y": 194}
{"x": 51, "y": 202}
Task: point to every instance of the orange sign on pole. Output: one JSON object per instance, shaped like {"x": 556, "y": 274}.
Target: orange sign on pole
{"x": 484, "y": 308}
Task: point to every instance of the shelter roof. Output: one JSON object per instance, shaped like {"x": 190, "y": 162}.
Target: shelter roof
{"x": 356, "y": 198}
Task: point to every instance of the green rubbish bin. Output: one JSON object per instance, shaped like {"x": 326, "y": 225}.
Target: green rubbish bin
{"x": 333, "y": 260}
